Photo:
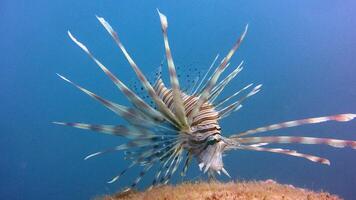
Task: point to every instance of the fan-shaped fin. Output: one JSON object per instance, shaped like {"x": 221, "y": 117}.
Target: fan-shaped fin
{"x": 288, "y": 124}
{"x": 286, "y": 152}
{"x": 164, "y": 161}
{"x": 160, "y": 105}
{"x": 169, "y": 170}
{"x": 187, "y": 162}
{"x": 301, "y": 140}
{"x": 133, "y": 98}
{"x": 236, "y": 105}
{"x": 122, "y": 173}
{"x": 220, "y": 86}
{"x": 203, "y": 97}
{"x": 227, "y": 111}
{"x": 128, "y": 114}
{"x": 140, "y": 176}
{"x": 206, "y": 74}
{"x": 177, "y": 98}
{"x": 175, "y": 166}
{"x": 117, "y": 130}
{"x": 151, "y": 155}
{"x": 232, "y": 96}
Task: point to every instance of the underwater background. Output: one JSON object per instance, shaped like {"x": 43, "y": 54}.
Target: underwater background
{"x": 303, "y": 52}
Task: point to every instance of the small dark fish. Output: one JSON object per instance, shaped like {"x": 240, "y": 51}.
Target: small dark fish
{"x": 185, "y": 125}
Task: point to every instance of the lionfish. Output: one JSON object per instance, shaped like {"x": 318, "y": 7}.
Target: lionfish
{"x": 185, "y": 125}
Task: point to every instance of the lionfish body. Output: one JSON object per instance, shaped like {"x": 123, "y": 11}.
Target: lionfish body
{"x": 185, "y": 125}
{"x": 202, "y": 126}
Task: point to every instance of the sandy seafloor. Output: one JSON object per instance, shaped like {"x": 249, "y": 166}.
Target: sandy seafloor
{"x": 252, "y": 190}
{"x": 303, "y": 52}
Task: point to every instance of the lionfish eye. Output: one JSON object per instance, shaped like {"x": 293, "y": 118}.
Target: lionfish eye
{"x": 211, "y": 140}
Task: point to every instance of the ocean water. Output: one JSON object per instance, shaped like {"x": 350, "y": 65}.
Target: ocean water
{"x": 303, "y": 52}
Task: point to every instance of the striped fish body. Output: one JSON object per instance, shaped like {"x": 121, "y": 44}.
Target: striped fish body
{"x": 206, "y": 121}
{"x": 204, "y": 125}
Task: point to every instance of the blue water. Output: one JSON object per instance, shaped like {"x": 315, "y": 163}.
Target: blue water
{"x": 303, "y": 52}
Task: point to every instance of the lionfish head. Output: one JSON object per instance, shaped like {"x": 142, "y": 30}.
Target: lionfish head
{"x": 211, "y": 156}
{"x": 212, "y": 145}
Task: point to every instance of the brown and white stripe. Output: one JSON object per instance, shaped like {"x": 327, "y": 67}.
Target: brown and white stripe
{"x": 133, "y": 98}
{"x": 220, "y": 86}
{"x": 128, "y": 114}
{"x": 160, "y": 105}
{"x": 203, "y": 97}
{"x": 287, "y": 152}
{"x": 301, "y": 140}
{"x": 206, "y": 115}
{"x": 288, "y": 124}
{"x": 178, "y": 102}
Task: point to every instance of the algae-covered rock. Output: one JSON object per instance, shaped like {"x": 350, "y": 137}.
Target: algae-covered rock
{"x": 254, "y": 190}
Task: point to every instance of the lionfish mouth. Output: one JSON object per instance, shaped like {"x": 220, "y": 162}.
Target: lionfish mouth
{"x": 210, "y": 158}
{"x": 155, "y": 132}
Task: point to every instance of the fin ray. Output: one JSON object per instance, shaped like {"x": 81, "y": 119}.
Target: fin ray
{"x": 301, "y": 140}
{"x": 339, "y": 118}
{"x": 203, "y": 97}
{"x": 220, "y": 86}
{"x": 177, "y": 98}
{"x": 232, "y": 96}
{"x": 122, "y": 111}
{"x": 133, "y": 98}
{"x": 118, "y": 130}
{"x": 287, "y": 152}
{"x": 237, "y": 105}
{"x": 162, "y": 107}
{"x": 206, "y": 74}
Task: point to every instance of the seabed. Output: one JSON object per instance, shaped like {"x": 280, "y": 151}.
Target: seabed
{"x": 251, "y": 190}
